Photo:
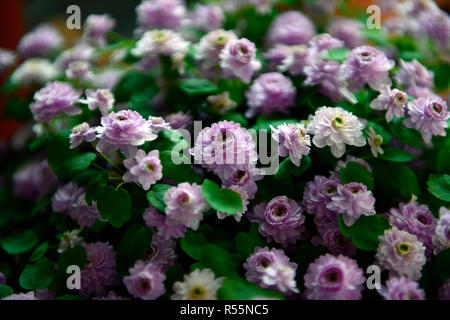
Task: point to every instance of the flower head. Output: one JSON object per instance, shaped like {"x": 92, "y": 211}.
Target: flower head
{"x": 208, "y": 17}
{"x": 402, "y": 288}
{"x": 441, "y": 239}
{"x": 291, "y": 28}
{"x": 34, "y": 70}
{"x": 375, "y": 141}
{"x": 294, "y": 141}
{"x": 393, "y": 101}
{"x": 146, "y": 281}
{"x": 101, "y": 99}
{"x": 211, "y": 45}
{"x": 165, "y": 229}
{"x": 347, "y": 30}
{"x": 33, "y": 180}
{"x": 198, "y": 285}
{"x": 221, "y": 102}
{"x": 179, "y": 120}
{"x": 40, "y": 42}
{"x": 7, "y": 59}
{"x": 96, "y": 26}
{"x": 160, "y": 42}
{"x": 167, "y": 14}
{"x": 412, "y": 74}
{"x": 82, "y": 132}
{"x": 244, "y": 177}
{"x": 143, "y": 168}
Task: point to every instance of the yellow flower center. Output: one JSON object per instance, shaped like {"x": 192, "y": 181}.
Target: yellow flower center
{"x": 197, "y": 293}
{"x": 337, "y": 122}
{"x": 403, "y": 248}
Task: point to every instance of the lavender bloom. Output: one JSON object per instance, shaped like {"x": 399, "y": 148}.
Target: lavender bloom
{"x": 444, "y": 291}
{"x": 244, "y": 177}
{"x": 271, "y": 269}
{"x": 143, "y": 168}
{"x": 415, "y": 219}
{"x": 34, "y": 71}
{"x": 331, "y": 237}
{"x": 198, "y": 285}
{"x": 7, "y": 59}
{"x": 180, "y": 120}
{"x": 298, "y": 57}
{"x": 146, "y": 281}
{"x": 353, "y": 200}
{"x": 401, "y": 253}
{"x": 161, "y": 253}
{"x": 101, "y": 99}
{"x": 40, "y": 42}
{"x": 224, "y": 144}
{"x": 336, "y": 128}
{"x": 269, "y": 93}
{"x": 316, "y": 197}
{"x": 167, "y": 14}
{"x": 211, "y": 45}
{"x": 429, "y": 116}
{"x": 436, "y": 24}
{"x": 238, "y": 58}
{"x": 123, "y": 130}
{"x": 158, "y": 123}
{"x": 347, "y": 30}
{"x": 334, "y": 278}
{"x": 160, "y": 42}
{"x": 238, "y": 215}
{"x": 111, "y": 296}
{"x": 441, "y": 239}
{"x": 53, "y": 100}
{"x": 322, "y": 42}
{"x": 107, "y": 78}
{"x": 281, "y": 220}
{"x": 393, "y": 101}
{"x": 291, "y": 28}
{"x": 166, "y": 229}
{"x": 424, "y": 92}
{"x": 82, "y": 132}
{"x": 366, "y": 64}
{"x": 100, "y": 269}
{"x": 21, "y": 296}
{"x": 185, "y": 204}
{"x": 96, "y": 26}
{"x": 293, "y": 140}
{"x": 277, "y": 55}
{"x": 342, "y": 164}
{"x": 79, "y": 70}
{"x": 402, "y": 288}
{"x": 2, "y": 278}
{"x": 33, "y": 180}
{"x": 412, "y": 74}
{"x": 80, "y": 52}
{"x": 208, "y": 17}
{"x": 66, "y": 197}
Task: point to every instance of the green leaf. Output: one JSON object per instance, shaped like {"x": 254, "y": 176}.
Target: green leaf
{"x": 365, "y": 232}
{"x": 37, "y": 276}
{"x": 443, "y": 160}
{"x": 114, "y": 206}
{"x": 181, "y": 172}
{"x": 396, "y": 180}
{"x": 439, "y": 186}
{"x": 73, "y": 166}
{"x": 69, "y": 297}
{"x": 130, "y": 83}
{"x": 235, "y": 117}
{"x": 194, "y": 86}
{"x": 192, "y": 244}
{"x": 355, "y": 172}
{"x": 217, "y": 259}
{"x": 156, "y": 196}
{"x": 396, "y": 155}
{"x": 407, "y": 136}
{"x": 20, "y": 243}
{"x": 133, "y": 245}
{"x": 5, "y": 291}
{"x": 287, "y": 168}
{"x": 442, "y": 263}
{"x": 245, "y": 243}
{"x": 336, "y": 54}
{"x": 223, "y": 200}
{"x": 73, "y": 256}
{"x": 239, "y": 289}
{"x": 39, "y": 252}
{"x": 263, "y": 122}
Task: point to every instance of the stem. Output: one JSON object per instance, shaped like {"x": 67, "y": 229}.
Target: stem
{"x": 107, "y": 159}
{"x": 120, "y": 184}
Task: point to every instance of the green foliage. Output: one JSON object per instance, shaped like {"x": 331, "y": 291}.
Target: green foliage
{"x": 197, "y": 86}
{"x": 20, "y": 242}
{"x": 133, "y": 246}
{"x": 114, "y": 205}
{"x": 72, "y": 256}
{"x": 396, "y": 155}
{"x": 442, "y": 263}
{"x": 245, "y": 242}
{"x": 218, "y": 260}
{"x": 355, "y": 172}
{"x": 37, "y": 276}
{"x": 287, "y": 168}
{"x": 336, "y": 54}
{"x": 178, "y": 172}
{"x": 407, "y": 136}
{"x": 192, "y": 244}
{"x": 156, "y": 196}
{"x": 223, "y": 200}
{"x": 237, "y": 288}
{"x": 5, "y": 291}
{"x": 439, "y": 186}
{"x": 39, "y": 252}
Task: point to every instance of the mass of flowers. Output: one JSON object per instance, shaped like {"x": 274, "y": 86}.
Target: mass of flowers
{"x": 254, "y": 149}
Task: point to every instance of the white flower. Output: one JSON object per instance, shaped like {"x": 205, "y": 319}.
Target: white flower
{"x": 336, "y": 128}
{"x": 222, "y": 102}
{"x": 35, "y": 70}
{"x": 160, "y": 42}
{"x": 101, "y": 99}
{"x": 210, "y": 46}
{"x": 375, "y": 141}
{"x": 70, "y": 239}
{"x": 198, "y": 285}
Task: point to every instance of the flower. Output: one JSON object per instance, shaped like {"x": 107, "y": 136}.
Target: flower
{"x": 334, "y": 278}
{"x": 210, "y": 46}
{"x": 208, "y": 17}
{"x": 66, "y": 197}
{"x": 415, "y": 219}
{"x": 401, "y": 252}
{"x": 185, "y": 204}
{"x": 347, "y": 30}
{"x": 412, "y": 74}
{"x": 21, "y": 296}
{"x": 143, "y": 168}
{"x": 277, "y": 55}
{"x": 322, "y": 42}
{"x": 100, "y": 269}
{"x": 352, "y": 200}
{"x": 197, "y": 285}
{"x": 158, "y": 123}
{"x": 167, "y": 14}
{"x": 33, "y": 180}
{"x": 444, "y": 291}
{"x": 271, "y": 269}
{"x": 34, "y": 70}
{"x": 393, "y": 101}
{"x": 82, "y": 132}
{"x": 78, "y": 70}
{"x": 123, "y": 130}
{"x": 40, "y": 42}
{"x": 238, "y": 215}
{"x": 96, "y": 26}
{"x": 53, "y": 100}
{"x": 293, "y": 140}
{"x": 296, "y": 59}
{"x": 179, "y": 120}
{"x": 161, "y": 253}
{"x": 110, "y": 296}
{"x": 158, "y": 42}
{"x": 281, "y": 220}
{"x": 375, "y": 141}
{"x": 80, "y": 52}
{"x": 238, "y": 58}
{"x": 332, "y": 238}
{"x": 69, "y": 239}
{"x": 336, "y": 127}
{"x": 402, "y": 288}
{"x": 441, "y": 238}
{"x": 166, "y": 229}
{"x": 366, "y": 64}
{"x": 269, "y": 93}
{"x": 243, "y": 176}
{"x": 146, "y": 281}
{"x": 2, "y": 278}
{"x": 221, "y": 102}
{"x": 291, "y": 28}
{"x": 429, "y": 116}
{"x": 102, "y": 99}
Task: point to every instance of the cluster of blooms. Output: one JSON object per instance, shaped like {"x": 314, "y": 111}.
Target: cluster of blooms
{"x": 299, "y": 231}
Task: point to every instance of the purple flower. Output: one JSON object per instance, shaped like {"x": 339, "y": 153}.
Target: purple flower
{"x": 82, "y": 132}
{"x": 352, "y": 200}
{"x": 161, "y": 253}
{"x": 297, "y": 58}
{"x": 271, "y": 269}
{"x": 244, "y": 177}
{"x": 164, "y": 14}
{"x": 444, "y": 291}
{"x": 414, "y": 74}
{"x": 166, "y": 229}
{"x": 101, "y": 99}
{"x": 111, "y": 296}
{"x": 80, "y": 52}
{"x": 422, "y": 92}
{"x": 322, "y": 42}
{"x": 84, "y": 214}
{"x": 281, "y": 220}
{"x": 40, "y": 42}
{"x": 179, "y": 120}
{"x": 436, "y": 23}
{"x": 185, "y": 204}
{"x": 441, "y": 239}
{"x": 66, "y": 197}
{"x": 366, "y": 64}
{"x": 211, "y": 45}
{"x": 100, "y": 269}
{"x": 415, "y": 219}
{"x": 331, "y": 237}
{"x": 79, "y": 70}
{"x": 96, "y": 26}
{"x": 293, "y": 140}
{"x": 21, "y": 296}
{"x": 238, "y": 58}
{"x": 393, "y": 101}
{"x": 401, "y": 253}
{"x": 277, "y": 55}
{"x": 334, "y": 278}
{"x": 225, "y": 144}
{"x": 2, "y": 278}
{"x": 429, "y": 116}
{"x": 347, "y": 30}
{"x": 53, "y": 100}
{"x": 208, "y": 17}
{"x": 33, "y": 180}
{"x": 291, "y": 28}
{"x": 146, "y": 281}
{"x": 123, "y": 130}
{"x": 143, "y": 168}
{"x": 402, "y": 288}
{"x": 342, "y": 164}
{"x": 269, "y": 93}
{"x": 158, "y": 123}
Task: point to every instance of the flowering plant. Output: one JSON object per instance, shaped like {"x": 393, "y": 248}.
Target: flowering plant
{"x": 230, "y": 150}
